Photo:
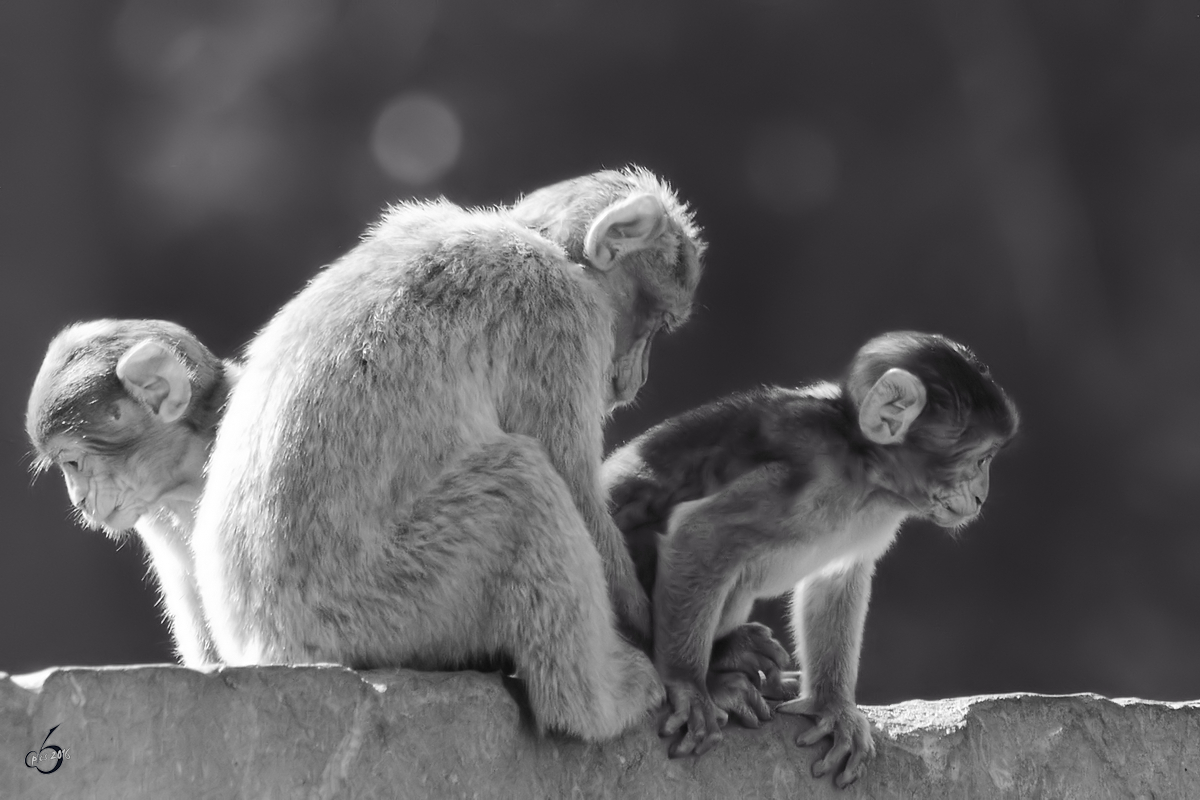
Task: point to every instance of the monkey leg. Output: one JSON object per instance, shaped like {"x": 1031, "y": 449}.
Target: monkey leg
{"x": 573, "y": 446}
{"x": 552, "y": 604}
{"x": 688, "y": 598}
{"x": 704, "y": 589}
{"x": 493, "y": 559}
{"x": 528, "y": 582}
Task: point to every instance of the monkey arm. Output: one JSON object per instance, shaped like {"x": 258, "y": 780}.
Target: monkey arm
{"x": 688, "y": 599}
{"x": 690, "y": 590}
{"x": 567, "y": 418}
{"x": 829, "y": 610}
{"x": 630, "y": 600}
{"x": 172, "y": 565}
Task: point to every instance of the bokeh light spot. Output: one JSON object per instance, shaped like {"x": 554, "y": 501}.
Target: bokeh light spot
{"x": 791, "y": 168}
{"x": 417, "y": 138}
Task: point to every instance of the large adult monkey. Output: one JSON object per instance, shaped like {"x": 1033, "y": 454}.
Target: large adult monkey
{"x": 407, "y": 473}
{"x": 801, "y": 491}
{"x": 127, "y": 409}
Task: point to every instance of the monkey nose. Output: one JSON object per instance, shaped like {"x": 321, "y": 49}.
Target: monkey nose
{"x": 978, "y": 502}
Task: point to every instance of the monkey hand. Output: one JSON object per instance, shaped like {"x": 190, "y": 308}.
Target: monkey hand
{"x": 692, "y": 706}
{"x": 751, "y": 649}
{"x": 851, "y": 732}
{"x": 737, "y": 696}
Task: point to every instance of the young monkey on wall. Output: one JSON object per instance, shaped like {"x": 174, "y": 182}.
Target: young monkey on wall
{"x": 802, "y": 490}
{"x": 128, "y": 410}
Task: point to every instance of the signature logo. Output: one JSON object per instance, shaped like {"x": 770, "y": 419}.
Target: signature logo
{"x": 49, "y": 753}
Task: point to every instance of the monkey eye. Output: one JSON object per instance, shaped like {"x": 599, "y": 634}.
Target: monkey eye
{"x": 983, "y": 462}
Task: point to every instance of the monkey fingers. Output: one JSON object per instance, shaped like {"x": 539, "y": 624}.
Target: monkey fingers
{"x": 733, "y": 693}
{"x": 692, "y": 706}
{"x": 851, "y": 733}
{"x": 751, "y": 649}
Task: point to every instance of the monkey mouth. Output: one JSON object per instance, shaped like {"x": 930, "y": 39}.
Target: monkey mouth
{"x": 121, "y": 518}
{"x": 943, "y": 514}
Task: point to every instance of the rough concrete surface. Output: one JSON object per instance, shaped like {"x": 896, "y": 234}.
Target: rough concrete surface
{"x": 325, "y": 732}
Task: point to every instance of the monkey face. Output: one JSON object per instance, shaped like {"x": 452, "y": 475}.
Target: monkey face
{"x": 639, "y": 244}
{"x": 631, "y": 357}
{"x": 99, "y": 488}
{"x": 111, "y": 490}
{"x": 940, "y": 417}
{"x": 630, "y": 371}
{"x": 634, "y": 330}
{"x": 954, "y": 503}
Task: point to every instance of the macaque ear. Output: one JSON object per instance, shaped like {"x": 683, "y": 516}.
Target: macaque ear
{"x": 891, "y": 405}
{"x": 623, "y": 227}
{"x": 154, "y": 375}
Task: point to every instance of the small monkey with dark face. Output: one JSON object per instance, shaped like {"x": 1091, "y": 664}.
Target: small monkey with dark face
{"x": 801, "y": 491}
{"x": 127, "y": 410}
{"x": 408, "y": 470}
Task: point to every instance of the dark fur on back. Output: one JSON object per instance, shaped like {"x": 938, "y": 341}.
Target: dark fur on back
{"x": 693, "y": 454}
{"x": 696, "y": 453}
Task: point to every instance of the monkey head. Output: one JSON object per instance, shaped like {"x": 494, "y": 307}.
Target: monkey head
{"x": 126, "y": 410}
{"x": 637, "y": 241}
{"x": 931, "y": 418}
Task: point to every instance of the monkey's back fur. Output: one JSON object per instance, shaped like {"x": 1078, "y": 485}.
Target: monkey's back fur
{"x": 696, "y": 453}
{"x": 380, "y": 492}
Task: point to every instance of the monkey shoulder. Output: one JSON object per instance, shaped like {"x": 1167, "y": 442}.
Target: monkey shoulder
{"x": 421, "y": 265}
{"x": 441, "y": 237}
{"x": 718, "y": 442}
{"x": 439, "y": 257}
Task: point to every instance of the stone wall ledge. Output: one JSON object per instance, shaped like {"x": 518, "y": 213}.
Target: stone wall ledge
{"x": 324, "y": 732}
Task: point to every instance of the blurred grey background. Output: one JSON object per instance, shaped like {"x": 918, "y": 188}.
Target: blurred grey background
{"x": 1022, "y": 176}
